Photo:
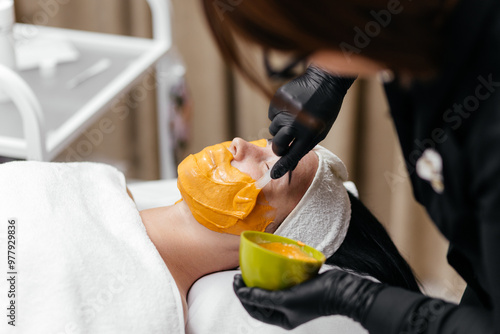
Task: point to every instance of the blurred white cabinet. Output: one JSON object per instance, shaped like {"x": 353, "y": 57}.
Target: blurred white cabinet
{"x": 45, "y": 116}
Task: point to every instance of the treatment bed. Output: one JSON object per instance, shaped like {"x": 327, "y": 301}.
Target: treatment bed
{"x": 213, "y": 306}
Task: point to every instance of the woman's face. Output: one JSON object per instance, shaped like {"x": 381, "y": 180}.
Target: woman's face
{"x": 218, "y": 185}
{"x": 284, "y": 193}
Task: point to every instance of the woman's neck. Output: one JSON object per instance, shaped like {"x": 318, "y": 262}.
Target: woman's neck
{"x": 189, "y": 249}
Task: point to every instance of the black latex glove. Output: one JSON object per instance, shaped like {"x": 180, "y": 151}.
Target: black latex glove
{"x": 333, "y": 292}
{"x": 302, "y": 113}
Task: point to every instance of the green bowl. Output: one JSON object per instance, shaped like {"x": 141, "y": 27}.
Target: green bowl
{"x": 269, "y": 270}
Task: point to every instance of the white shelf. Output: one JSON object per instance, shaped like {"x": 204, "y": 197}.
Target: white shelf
{"x": 28, "y": 133}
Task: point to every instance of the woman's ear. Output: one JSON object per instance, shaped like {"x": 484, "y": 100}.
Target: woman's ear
{"x": 272, "y": 227}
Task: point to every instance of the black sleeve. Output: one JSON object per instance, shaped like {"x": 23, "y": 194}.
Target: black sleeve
{"x": 483, "y": 150}
{"x": 398, "y": 311}
{"x": 395, "y": 310}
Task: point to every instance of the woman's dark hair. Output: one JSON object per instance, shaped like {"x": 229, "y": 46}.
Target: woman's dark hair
{"x": 403, "y": 35}
{"x": 368, "y": 249}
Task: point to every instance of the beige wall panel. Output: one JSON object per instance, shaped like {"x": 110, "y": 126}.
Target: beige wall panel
{"x": 342, "y": 139}
{"x": 375, "y": 149}
{"x": 252, "y": 106}
{"x": 205, "y": 75}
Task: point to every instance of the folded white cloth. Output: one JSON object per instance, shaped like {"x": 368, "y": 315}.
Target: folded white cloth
{"x": 84, "y": 261}
{"x": 322, "y": 217}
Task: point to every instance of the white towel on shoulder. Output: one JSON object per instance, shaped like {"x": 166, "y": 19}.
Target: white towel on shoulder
{"x": 84, "y": 261}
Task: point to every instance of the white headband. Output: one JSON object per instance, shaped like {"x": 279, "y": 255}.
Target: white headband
{"x": 322, "y": 217}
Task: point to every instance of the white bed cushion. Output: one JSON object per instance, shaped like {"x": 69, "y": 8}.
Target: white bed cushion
{"x": 153, "y": 194}
{"x": 214, "y": 308}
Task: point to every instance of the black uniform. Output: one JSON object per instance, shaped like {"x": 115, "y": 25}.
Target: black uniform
{"x": 457, "y": 116}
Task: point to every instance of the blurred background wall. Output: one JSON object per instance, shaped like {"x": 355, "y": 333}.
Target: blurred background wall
{"x": 225, "y": 106}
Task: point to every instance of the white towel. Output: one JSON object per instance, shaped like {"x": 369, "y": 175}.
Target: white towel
{"x": 84, "y": 261}
{"x": 322, "y": 217}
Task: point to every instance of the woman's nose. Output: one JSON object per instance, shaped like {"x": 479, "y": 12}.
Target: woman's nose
{"x": 240, "y": 148}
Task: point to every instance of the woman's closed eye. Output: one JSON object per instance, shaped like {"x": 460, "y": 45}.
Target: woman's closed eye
{"x": 265, "y": 167}
{"x": 269, "y": 143}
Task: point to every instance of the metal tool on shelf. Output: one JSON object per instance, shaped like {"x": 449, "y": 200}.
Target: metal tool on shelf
{"x": 36, "y": 136}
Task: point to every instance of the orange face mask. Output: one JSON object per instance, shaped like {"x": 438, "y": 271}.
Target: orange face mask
{"x": 221, "y": 197}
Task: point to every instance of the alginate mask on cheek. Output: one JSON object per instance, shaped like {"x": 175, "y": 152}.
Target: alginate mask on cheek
{"x": 221, "y": 197}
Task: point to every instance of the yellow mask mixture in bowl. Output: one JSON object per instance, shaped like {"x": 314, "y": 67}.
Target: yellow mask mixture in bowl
{"x": 273, "y": 262}
{"x": 291, "y": 251}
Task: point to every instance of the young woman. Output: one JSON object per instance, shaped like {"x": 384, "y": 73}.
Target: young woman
{"x": 439, "y": 62}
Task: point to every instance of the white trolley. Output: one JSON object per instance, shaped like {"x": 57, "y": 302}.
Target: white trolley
{"x": 43, "y": 118}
